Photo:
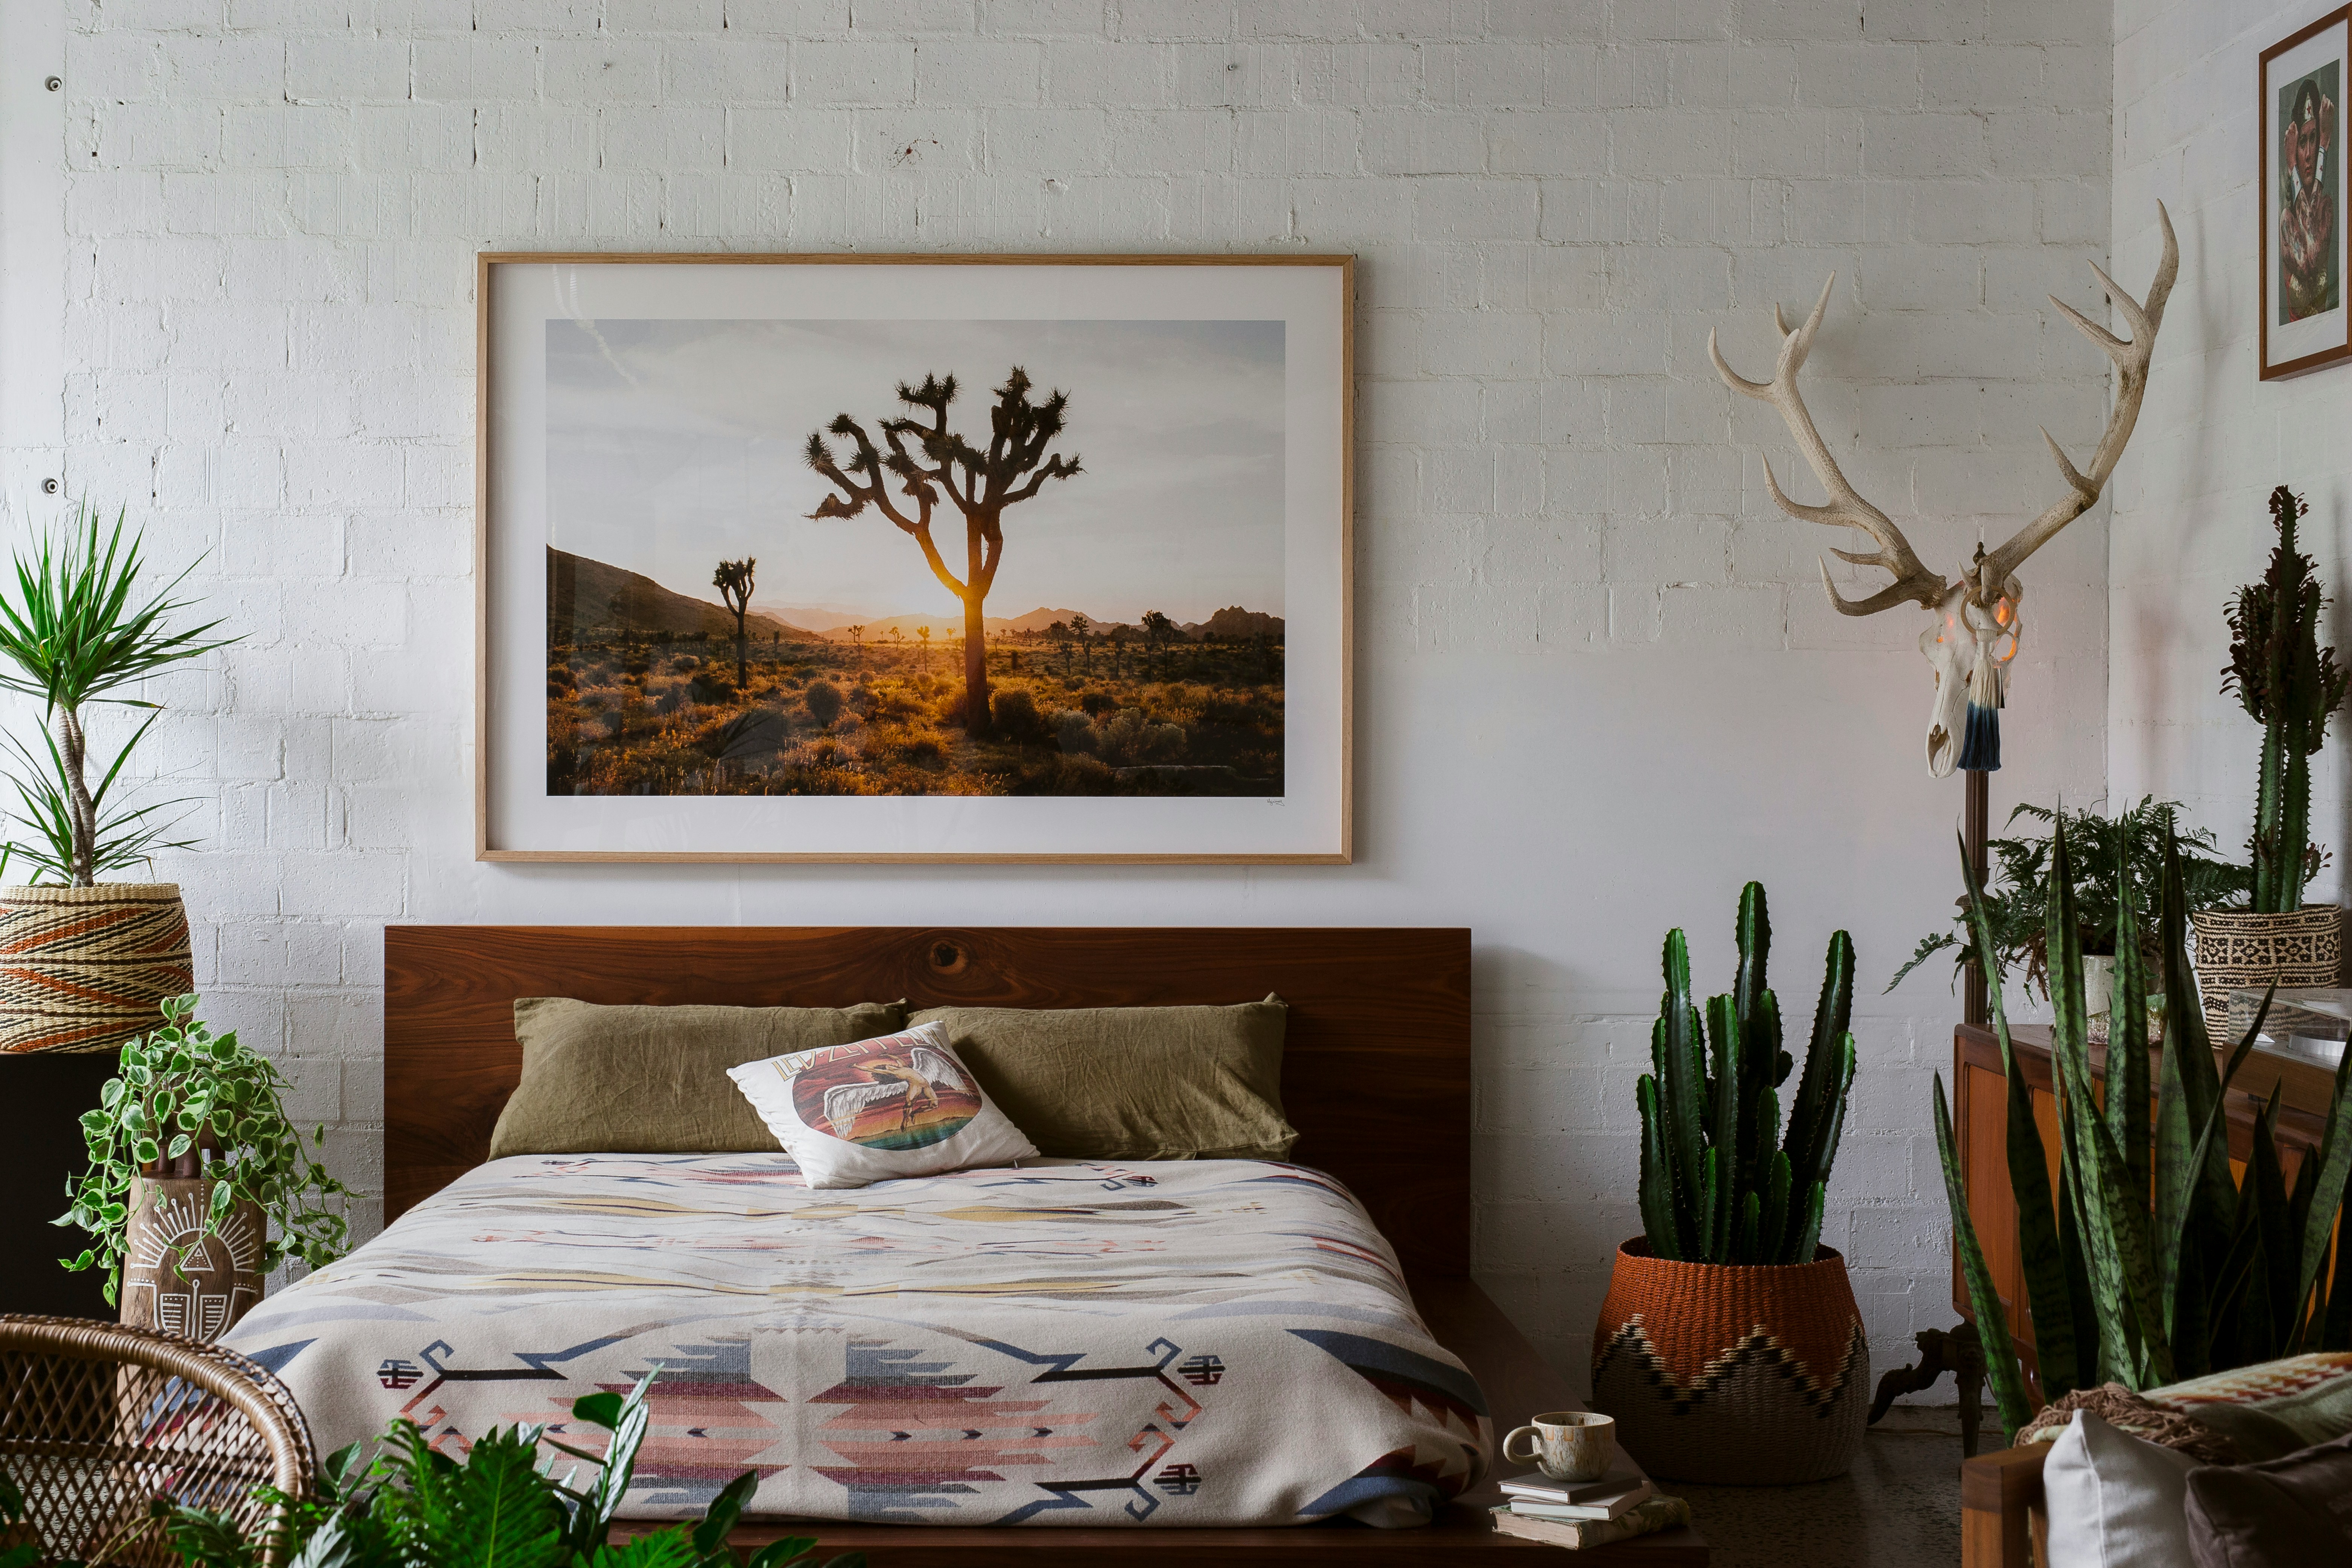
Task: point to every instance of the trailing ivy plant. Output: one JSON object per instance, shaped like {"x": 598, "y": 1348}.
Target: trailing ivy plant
{"x": 412, "y": 1507}
{"x": 190, "y": 1102}
{"x": 2109, "y": 853}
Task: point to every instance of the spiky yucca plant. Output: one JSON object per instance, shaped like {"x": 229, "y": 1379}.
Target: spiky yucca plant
{"x": 2148, "y": 1263}
{"x": 1720, "y": 1181}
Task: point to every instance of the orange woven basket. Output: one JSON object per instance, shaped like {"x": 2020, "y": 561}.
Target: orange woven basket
{"x": 1747, "y": 1374}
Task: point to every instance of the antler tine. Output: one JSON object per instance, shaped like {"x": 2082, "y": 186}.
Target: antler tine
{"x": 1732, "y": 378}
{"x": 1845, "y": 507}
{"x": 2131, "y": 357}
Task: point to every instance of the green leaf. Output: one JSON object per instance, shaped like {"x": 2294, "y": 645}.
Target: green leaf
{"x": 1992, "y": 1325}
{"x": 2128, "y": 1089}
{"x": 2333, "y": 1165}
{"x": 710, "y": 1535}
{"x": 787, "y": 1550}
{"x": 663, "y": 1548}
{"x": 2043, "y": 1261}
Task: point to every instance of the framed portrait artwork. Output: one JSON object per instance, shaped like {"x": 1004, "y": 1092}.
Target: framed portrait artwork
{"x": 2305, "y": 320}
{"x": 913, "y": 558}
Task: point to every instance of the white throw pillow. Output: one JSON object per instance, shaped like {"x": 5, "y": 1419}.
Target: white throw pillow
{"x": 2115, "y": 1500}
{"x": 898, "y": 1105}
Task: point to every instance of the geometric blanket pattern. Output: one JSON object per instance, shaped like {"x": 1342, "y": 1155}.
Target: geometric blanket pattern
{"x": 1191, "y": 1342}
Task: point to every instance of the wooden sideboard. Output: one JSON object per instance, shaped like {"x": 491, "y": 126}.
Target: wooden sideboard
{"x": 1980, "y": 1121}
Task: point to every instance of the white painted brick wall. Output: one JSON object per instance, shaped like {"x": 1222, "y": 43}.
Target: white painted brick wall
{"x": 2191, "y": 520}
{"x": 1599, "y": 688}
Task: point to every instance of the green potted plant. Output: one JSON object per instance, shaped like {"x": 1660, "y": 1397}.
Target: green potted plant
{"x": 499, "y": 1506}
{"x": 192, "y": 1163}
{"x": 90, "y": 961}
{"x": 2110, "y": 850}
{"x": 2291, "y": 687}
{"x": 2146, "y": 1261}
{"x": 1729, "y": 1348}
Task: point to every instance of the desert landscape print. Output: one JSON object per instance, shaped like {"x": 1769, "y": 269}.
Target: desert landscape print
{"x": 915, "y": 558}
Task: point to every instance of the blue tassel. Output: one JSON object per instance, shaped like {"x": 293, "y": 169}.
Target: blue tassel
{"x": 1981, "y": 742}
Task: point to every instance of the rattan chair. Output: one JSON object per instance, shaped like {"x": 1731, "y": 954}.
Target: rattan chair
{"x": 98, "y": 1420}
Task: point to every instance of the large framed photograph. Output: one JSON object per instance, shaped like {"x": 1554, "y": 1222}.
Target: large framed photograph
{"x": 2305, "y": 320}
{"x": 913, "y": 558}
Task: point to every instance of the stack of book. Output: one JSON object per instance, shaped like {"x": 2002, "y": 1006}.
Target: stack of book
{"x": 1622, "y": 1503}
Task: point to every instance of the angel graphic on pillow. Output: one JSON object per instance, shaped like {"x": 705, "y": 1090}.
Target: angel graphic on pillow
{"x": 914, "y": 1083}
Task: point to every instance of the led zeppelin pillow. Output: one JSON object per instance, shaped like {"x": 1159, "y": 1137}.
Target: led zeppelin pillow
{"x": 901, "y": 1105}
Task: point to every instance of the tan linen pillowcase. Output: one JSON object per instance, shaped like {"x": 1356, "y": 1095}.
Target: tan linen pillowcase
{"x": 1132, "y": 1083}
{"x": 653, "y": 1081}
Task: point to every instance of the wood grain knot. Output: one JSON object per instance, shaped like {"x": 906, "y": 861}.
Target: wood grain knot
{"x": 946, "y": 958}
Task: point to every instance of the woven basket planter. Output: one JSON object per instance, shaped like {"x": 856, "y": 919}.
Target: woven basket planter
{"x": 220, "y": 1279}
{"x": 2236, "y": 949}
{"x": 85, "y": 969}
{"x": 1737, "y": 1374}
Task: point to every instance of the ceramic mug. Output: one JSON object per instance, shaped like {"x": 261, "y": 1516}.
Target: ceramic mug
{"x": 1567, "y": 1445}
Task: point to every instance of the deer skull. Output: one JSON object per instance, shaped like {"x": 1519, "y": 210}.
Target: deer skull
{"x": 1974, "y": 634}
{"x": 1970, "y": 648}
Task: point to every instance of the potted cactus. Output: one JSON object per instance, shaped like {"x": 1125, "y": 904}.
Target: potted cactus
{"x": 1729, "y": 1347}
{"x": 2291, "y": 687}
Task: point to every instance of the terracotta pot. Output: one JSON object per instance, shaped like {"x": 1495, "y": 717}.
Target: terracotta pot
{"x": 86, "y": 969}
{"x": 2235, "y": 948}
{"x": 1746, "y": 1374}
{"x": 220, "y": 1281}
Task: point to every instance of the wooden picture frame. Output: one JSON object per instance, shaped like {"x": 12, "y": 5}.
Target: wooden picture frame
{"x": 2305, "y": 305}
{"x": 603, "y": 732}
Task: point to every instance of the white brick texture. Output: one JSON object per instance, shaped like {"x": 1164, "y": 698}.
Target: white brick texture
{"x": 1598, "y": 687}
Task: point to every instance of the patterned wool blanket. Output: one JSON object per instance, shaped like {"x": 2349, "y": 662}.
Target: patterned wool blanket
{"x": 1197, "y": 1342}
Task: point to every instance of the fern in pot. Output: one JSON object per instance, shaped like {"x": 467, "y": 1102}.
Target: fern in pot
{"x": 90, "y": 960}
{"x": 198, "y": 1183}
{"x": 1729, "y": 1348}
{"x": 2291, "y": 687}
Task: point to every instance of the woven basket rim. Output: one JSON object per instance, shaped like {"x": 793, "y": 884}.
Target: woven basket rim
{"x": 135, "y": 892}
{"x": 1638, "y": 1250}
{"x": 2232, "y": 917}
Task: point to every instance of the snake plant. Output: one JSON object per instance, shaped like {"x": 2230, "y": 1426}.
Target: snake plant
{"x": 1721, "y": 1181}
{"x": 2148, "y": 1262}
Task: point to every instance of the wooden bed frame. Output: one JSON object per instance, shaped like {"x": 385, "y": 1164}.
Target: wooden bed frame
{"x": 1376, "y": 1077}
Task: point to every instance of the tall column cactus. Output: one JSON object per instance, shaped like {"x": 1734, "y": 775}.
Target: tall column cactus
{"x": 1721, "y": 1180}
{"x": 2290, "y": 685}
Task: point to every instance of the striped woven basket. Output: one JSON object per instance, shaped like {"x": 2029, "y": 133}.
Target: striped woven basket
{"x": 85, "y": 969}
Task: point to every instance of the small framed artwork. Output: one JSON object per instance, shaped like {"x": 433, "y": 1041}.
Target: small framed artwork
{"x": 2305, "y": 323}
{"x": 846, "y": 558}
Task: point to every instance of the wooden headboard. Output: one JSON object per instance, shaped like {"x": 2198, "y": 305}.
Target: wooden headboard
{"x": 1376, "y": 1070}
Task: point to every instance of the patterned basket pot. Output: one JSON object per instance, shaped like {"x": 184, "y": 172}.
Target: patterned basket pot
{"x": 201, "y": 1295}
{"x": 2235, "y": 948}
{"x": 1733, "y": 1374}
{"x": 85, "y": 969}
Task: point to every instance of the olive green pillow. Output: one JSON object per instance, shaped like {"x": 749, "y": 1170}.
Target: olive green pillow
{"x": 1132, "y": 1083}
{"x": 653, "y": 1081}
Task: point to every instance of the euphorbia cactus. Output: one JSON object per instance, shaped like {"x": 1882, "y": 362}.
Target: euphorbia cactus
{"x": 2290, "y": 685}
{"x": 1715, "y": 1186}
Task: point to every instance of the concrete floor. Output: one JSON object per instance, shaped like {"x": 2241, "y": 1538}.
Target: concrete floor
{"x": 1900, "y": 1503}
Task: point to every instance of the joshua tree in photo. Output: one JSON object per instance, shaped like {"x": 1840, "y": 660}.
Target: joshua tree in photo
{"x": 1117, "y": 648}
{"x": 1079, "y": 628}
{"x": 733, "y": 580}
{"x": 1158, "y": 629}
{"x": 928, "y": 460}
{"x": 857, "y": 637}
